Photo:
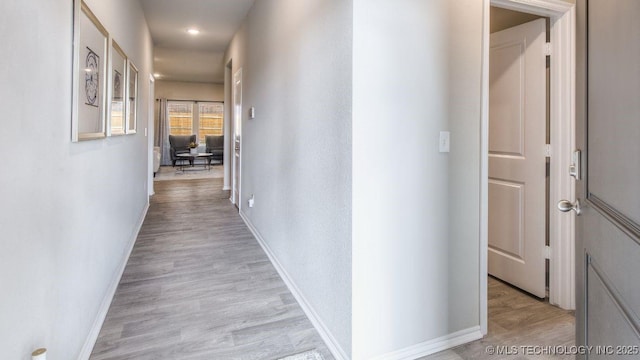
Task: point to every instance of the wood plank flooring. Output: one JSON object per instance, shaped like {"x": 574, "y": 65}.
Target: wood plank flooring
{"x": 517, "y": 319}
{"x": 198, "y": 286}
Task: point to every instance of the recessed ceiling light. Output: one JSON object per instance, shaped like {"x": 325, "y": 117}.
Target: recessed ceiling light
{"x": 193, "y": 31}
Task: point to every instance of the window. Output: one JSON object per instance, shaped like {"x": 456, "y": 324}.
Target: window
{"x": 211, "y": 120}
{"x": 180, "y": 117}
{"x": 200, "y": 118}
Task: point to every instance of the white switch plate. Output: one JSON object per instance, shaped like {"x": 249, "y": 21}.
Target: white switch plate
{"x": 444, "y": 141}
{"x": 252, "y": 113}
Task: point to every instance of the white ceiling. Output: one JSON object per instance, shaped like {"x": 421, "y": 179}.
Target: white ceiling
{"x": 183, "y": 57}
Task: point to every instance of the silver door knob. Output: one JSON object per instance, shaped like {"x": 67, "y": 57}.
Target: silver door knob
{"x": 566, "y": 206}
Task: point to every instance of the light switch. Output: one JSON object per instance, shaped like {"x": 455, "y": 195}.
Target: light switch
{"x": 444, "y": 141}
{"x": 252, "y": 113}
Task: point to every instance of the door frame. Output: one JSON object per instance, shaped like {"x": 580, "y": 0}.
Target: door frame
{"x": 227, "y": 154}
{"x": 236, "y": 125}
{"x": 562, "y": 120}
{"x": 149, "y": 132}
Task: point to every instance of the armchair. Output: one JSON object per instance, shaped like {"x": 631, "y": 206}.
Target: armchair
{"x": 179, "y": 144}
{"x": 215, "y": 146}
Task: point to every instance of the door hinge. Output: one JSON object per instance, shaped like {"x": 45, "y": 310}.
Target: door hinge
{"x": 547, "y": 49}
{"x": 547, "y": 150}
{"x": 547, "y": 252}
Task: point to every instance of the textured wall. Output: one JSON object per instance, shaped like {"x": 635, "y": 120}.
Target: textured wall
{"x": 417, "y": 71}
{"x": 296, "y": 157}
{"x": 503, "y": 18}
{"x": 69, "y": 210}
{"x": 178, "y": 90}
{"x": 464, "y": 36}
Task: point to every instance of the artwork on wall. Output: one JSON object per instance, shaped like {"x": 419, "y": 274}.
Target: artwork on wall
{"x": 105, "y": 81}
{"x": 117, "y": 85}
{"x": 132, "y": 93}
{"x": 92, "y": 78}
{"x": 117, "y": 115}
{"x": 89, "y": 82}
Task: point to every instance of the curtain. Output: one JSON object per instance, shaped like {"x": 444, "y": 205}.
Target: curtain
{"x": 162, "y": 132}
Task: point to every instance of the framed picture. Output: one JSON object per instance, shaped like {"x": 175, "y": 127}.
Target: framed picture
{"x": 89, "y": 75}
{"x": 132, "y": 93}
{"x": 117, "y": 117}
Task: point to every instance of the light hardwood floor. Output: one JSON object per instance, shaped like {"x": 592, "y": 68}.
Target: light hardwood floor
{"x": 198, "y": 286}
{"x": 517, "y": 319}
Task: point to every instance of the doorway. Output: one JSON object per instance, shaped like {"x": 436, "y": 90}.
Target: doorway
{"x": 518, "y": 133}
{"x": 149, "y": 132}
{"x": 228, "y": 125}
{"x": 237, "y": 138}
{"x": 562, "y": 125}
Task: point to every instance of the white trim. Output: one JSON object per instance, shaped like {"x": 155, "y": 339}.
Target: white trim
{"x": 484, "y": 172}
{"x": 562, "y": 14}
{"x": 228, "y": 124}
{"x": 237, "y": 132}
{"x": 433, "y": 346}
{"x": 92, "y": 337}
{"x": 551, "y": 8}
{"x": 323, "y": 330}
{"x": 150, "y": 133}
{"x": 562, "y": 226}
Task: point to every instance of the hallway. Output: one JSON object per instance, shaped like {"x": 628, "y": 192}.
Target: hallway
{"x": 198, "y": 286}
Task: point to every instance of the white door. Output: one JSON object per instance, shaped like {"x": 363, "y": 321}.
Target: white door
{"x": 237, "y": 135}
{"x": 517, "y": 159}
{"x": 608, "y": 229}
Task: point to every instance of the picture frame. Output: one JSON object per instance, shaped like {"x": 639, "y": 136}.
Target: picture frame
{"x": 132, "y": 94}
{"x": 90, "y": 59}
{"x": 118, "y": 90}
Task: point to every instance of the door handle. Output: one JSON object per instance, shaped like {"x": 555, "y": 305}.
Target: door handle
{"x": 566, "y": 206}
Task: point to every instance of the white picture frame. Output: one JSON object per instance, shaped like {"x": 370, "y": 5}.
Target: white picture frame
{"x": 132, "y": 95}
{"x": 89, "y": 83}
{"x": 118, "y": 91}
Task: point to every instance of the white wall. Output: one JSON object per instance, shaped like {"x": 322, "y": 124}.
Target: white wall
{"x": 416, "y": 72}
{"x": 464, "y": 37}
{"x": 179, "y": 90}
{"x": 296, "y": 61}
{"x": 504, "y": 18}
{"x": 69, "y": 211}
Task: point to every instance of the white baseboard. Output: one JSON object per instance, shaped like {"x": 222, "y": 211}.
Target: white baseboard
{"x": 91, "y": 339}
{"x": 433, "y": 346}
{"x": 226, "y": 187}
{"x": 317, "y": 322}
